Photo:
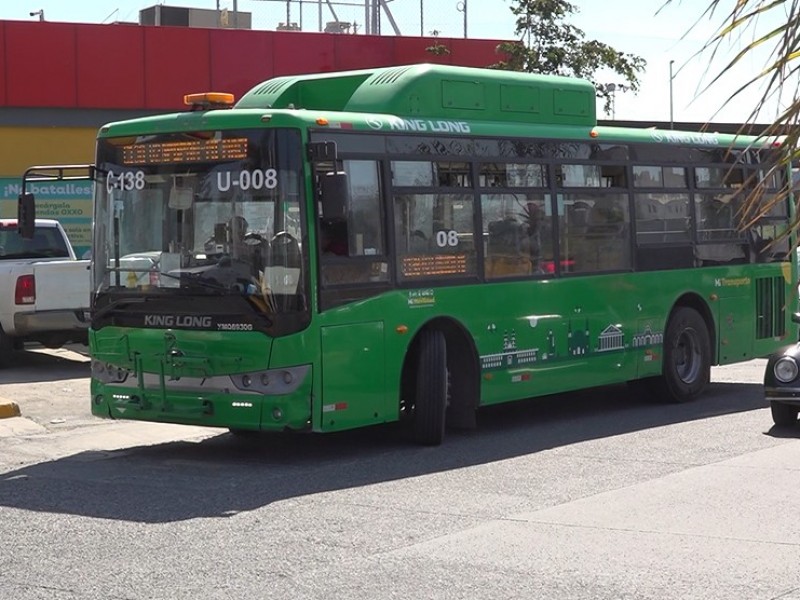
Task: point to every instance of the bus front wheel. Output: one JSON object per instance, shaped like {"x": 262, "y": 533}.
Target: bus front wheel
{"x": 430, "y": 401}
{"x": 687, "y": 357}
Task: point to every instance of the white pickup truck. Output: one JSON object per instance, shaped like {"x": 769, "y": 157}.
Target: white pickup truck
{"x": 44, "y": 288}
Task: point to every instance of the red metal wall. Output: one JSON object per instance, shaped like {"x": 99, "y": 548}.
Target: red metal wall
{"x": 66, "y": 65}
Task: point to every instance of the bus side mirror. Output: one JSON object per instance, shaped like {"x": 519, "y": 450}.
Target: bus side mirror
{"x": 334, "y": 193}
{"x": 26, "y": 215}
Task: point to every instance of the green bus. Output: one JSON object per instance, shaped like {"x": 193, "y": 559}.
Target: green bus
{"x": 413, "y": 243}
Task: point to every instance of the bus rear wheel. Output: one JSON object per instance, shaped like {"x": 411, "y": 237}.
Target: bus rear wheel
{"x": 686, "y": 369}
{"x": 430, "y": 398}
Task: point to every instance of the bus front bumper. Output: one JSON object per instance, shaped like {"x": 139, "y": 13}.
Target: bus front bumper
{"x": 275, "y": 400}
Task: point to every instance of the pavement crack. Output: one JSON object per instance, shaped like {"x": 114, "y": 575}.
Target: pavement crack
{"x": 785, "y": 594}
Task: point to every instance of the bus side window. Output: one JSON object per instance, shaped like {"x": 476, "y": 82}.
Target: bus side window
{"x": 508, "y": 249}
{"x": 353, "y": 251}
{"x": 718, "y": 237}
{"x": 517, "y": 233}
{"x": 434, "y": 235}
{"x": 603, "y": 243}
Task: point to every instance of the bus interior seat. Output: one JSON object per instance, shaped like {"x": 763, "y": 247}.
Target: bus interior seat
{"x": 508, "y": 252}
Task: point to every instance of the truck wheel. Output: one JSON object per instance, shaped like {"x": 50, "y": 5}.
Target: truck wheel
{"x": 686, "y": 369}
{"x": 783, "y": 415}
{"x": 6, "y": 348}
{"x": 430, "y": 402}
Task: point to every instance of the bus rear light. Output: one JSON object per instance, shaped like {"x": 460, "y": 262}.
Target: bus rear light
{"x": 25, "y": 291}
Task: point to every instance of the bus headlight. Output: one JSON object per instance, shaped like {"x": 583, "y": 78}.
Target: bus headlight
{"x": 108, "y": 373}
{"x": 272, "y": 382}
{"x": 785, "y": 369}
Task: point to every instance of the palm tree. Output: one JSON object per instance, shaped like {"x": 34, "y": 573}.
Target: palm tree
{"x": 744, "y": 20}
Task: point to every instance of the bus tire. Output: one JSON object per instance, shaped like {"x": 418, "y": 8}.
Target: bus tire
{"x": 686, "y": 368}
{"x": 430, "y": 399}
{"x": 783, "y": 415}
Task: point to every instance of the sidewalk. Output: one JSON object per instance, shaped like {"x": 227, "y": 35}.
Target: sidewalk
{"x": 16, "y": 425}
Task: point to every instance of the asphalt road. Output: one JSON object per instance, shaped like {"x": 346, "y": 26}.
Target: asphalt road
{"x": 596, "y": 495}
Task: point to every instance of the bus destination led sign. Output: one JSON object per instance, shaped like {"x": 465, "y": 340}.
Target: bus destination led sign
{"x": 433, "y": 265}
{"x": 185, "y": 151}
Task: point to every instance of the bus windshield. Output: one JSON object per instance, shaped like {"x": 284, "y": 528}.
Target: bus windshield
{"x": 210, "y": 213}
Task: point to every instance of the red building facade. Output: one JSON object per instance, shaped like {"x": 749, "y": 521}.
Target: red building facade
{"x": 132, "y": 67}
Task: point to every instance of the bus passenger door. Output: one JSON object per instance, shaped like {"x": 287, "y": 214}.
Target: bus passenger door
{"x": 353, "y": 376}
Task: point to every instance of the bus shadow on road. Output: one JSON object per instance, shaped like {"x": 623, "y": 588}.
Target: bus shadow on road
{"x": 37, "y": 365}
{"x": 222, "y": 475}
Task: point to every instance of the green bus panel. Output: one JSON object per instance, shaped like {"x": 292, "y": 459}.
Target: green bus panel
{"x": 352, "y": 376}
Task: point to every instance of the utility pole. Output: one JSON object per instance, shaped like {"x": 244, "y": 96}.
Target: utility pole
{"x": 671, "y": 116}
{"x": 462, "y": 7}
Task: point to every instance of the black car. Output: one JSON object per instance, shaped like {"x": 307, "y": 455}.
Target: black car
{"x": 782, "y": 383}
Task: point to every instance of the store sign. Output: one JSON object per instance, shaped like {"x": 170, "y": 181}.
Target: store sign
{"x": 68, "y": 202}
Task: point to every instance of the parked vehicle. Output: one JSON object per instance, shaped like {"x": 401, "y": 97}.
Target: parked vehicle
{"x": 782, "y": 383}
{"x": 44, "y": 288}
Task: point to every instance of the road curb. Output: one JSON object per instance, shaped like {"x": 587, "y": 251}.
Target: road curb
{"x": 8, "y": 409}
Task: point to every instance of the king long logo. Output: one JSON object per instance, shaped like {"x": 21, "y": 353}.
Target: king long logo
{"x": 439, "y": 126}
{"x": 186, "y": 321}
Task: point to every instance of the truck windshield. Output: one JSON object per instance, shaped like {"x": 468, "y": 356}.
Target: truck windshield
{"x": 206, "y": 213}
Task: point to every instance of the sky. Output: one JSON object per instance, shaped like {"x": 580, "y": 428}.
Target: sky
{"x": 675, "y": 84}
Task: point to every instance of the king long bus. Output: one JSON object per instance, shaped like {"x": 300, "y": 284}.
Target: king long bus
{"x": 414, "y": 243}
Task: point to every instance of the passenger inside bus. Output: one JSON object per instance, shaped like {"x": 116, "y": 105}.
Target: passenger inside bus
{"x": 333, "y": 238}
